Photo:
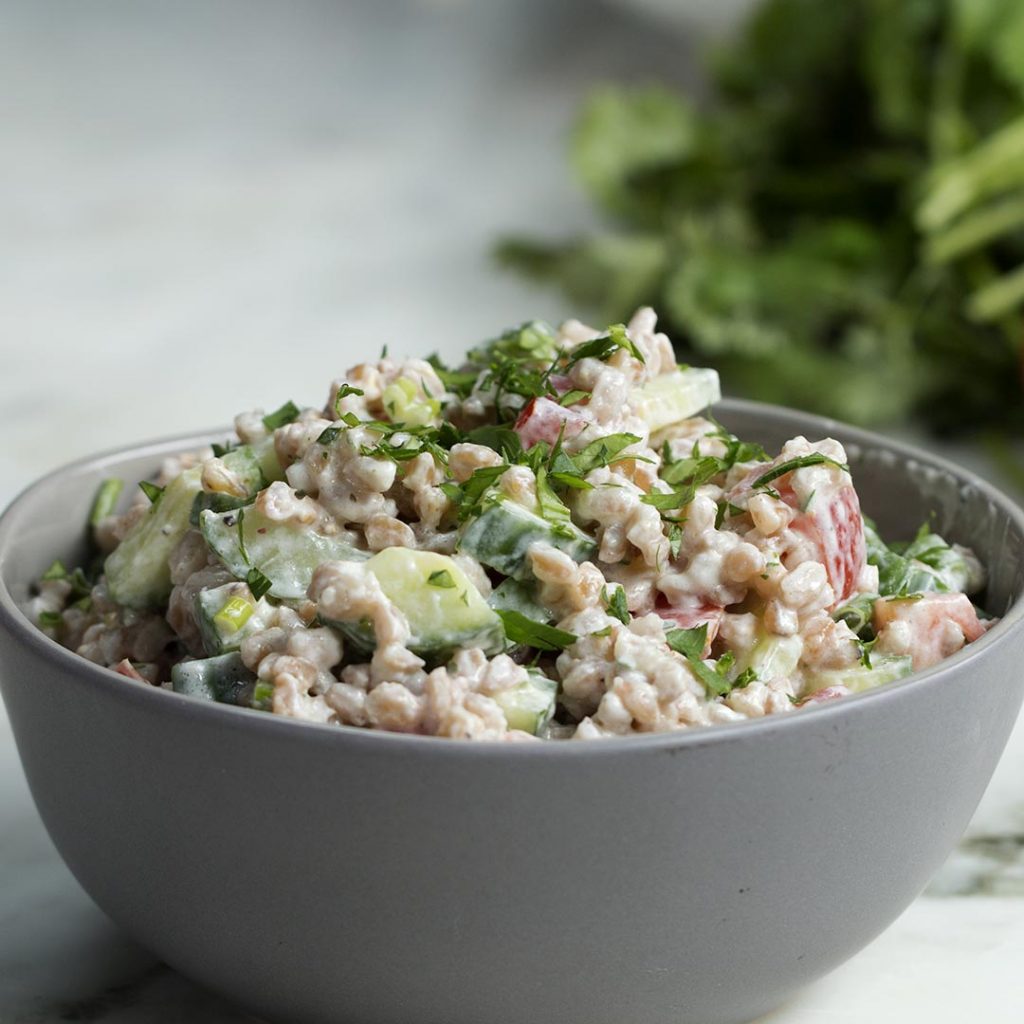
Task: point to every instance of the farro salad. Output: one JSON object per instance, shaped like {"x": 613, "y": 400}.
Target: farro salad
{"x": 555, "y": 540}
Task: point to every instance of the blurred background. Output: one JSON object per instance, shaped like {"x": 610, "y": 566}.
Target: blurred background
{"x": 209, "y": 206}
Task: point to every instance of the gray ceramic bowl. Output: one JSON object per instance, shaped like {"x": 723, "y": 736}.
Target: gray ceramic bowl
{"x": 321, "y": 874}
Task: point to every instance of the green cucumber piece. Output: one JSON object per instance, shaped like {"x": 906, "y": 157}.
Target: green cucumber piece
{"x": 286, "y": 553}
{"x": 445, "y": 611}
{"x": 137, "y": 570}
{"x": 673, "y": 397}
{"x": 519, "y": 596}
{"x": 885, "y": 668}
{"x": 773, "y": 656}
{"x": 530, "y": 705}
{"x": 502, "y": 534}
{"x": 224, "y": 679}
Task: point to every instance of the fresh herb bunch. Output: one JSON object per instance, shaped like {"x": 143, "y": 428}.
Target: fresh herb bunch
{"x": 842, "y": 229}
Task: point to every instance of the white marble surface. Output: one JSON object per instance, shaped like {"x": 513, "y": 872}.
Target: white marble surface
{"x": 194, "y": 194}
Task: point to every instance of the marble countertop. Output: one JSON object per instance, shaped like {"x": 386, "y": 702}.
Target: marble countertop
{"x": 193, "y": 194}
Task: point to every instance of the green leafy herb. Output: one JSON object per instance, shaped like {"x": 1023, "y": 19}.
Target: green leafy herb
{"x": 607, "y": 631}
{"x": 688, "y": 642}
{"x": 50, "y": 620}
{"x": 328, "y": 435}
{"x": 56, "y": 571}
{"x": 846, "y": 208}
{"x": 106, "y": 500}
{"x": 616, "y": 604}
{"x": 459, "y": 382}
{"x": 521, "y": 630}
{"x": 800, "y": 462}
{"x": 258, "y": 583}
{"x": 441, "y": 578}
{"x": 572, "y": 397}
{"x": 220, "y": 450}
{"x": 343, "y": 392}
{"x": 151, "y": 491}
{"x": 675, "y": 540}
{"x": 240, "y": 524}
{"x": 288, "y": 413}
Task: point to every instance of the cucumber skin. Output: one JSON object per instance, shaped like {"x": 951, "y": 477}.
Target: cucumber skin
{"x": 502, "y": 534}
{"x": 223, "y": 678}
{"x": 291, "y": 579}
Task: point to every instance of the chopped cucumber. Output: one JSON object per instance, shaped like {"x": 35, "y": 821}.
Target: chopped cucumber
{"x": 885, "y": 668}
{"x": 227, "y": 615}
{"x": 137, "y": 571}
{"x": 530, "y": 705}
{"x": 286, "y": 553}
{"x": 501, "y": 536}
{"x": 773, "y": 657}
{"x": 672, "y": 397}
{"x": 224, "y": 679}
{"x": 519, "y": 596}
{"x": 897, "y": 574}
{"x": 445, "y": 611}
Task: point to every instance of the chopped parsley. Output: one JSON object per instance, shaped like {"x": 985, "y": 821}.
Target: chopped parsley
{"x": 522, "y": 630}
{"x": 800, "y": 462}
{"x": 288, "y": 413}
{"x": 441, "y": 578}
{"x": 258, "y": 583}
{"x": 616, "y": 603}
{"x": 329, "y": 435}
{"x": 55, "y": 572}
{"x": 151, "y": 491}
{"x": 50, "y": 620}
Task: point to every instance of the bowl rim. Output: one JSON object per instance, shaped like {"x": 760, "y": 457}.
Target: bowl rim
{"x": 14, "y": 622}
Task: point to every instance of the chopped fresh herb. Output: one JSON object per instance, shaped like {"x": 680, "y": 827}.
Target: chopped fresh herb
{"x": 350, "y": 419}
{"x": 806, "y": 503}
{"x": 50, "y": 620}
{"x": 605, "y": 346}
{"x": 572, "y": 397}
{"x": 441, "y": 578}
{"x": 675, "y": 540}
{"x": 800, "y": 462}
{"x": 288, "y": 413}
{"x": 745, "y": 678}
{"x": 469, "y": 497}
{"x": 263, "y": 696}
{"x": 503, "y": 440}
{"x": 258, "y": 583}
{"x": 151, "y": 491}
{"x": 688, "y": 642}
{"x": 106, "y": 500}
{"x": 343, "y": 392}
{"x": 616, "y": 603}
{"x": 459, "y": 382}
{"x": 55, "y": 572}
{"x": 605, "y": 451}
{"x": 857, "y": 613}
{"x": 220, "y": 450}
{"x": 521, "y": 630}
{"x": 81, "y": 586}
{"x": 550, "y": 506}
{"x": 607, "y": 631}
{"x": 329, "y": 435}
{"x": 240, "y": 523}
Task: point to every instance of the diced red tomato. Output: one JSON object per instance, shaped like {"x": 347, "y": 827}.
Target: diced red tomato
{"x": 543, "y": 420}
{"x": 126, "y": 668}
{"x": 829, "y": 693}
{"x": 692, "y": 617}
{"x": 832, "y": 523}
{"x": 929, "y": 617}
